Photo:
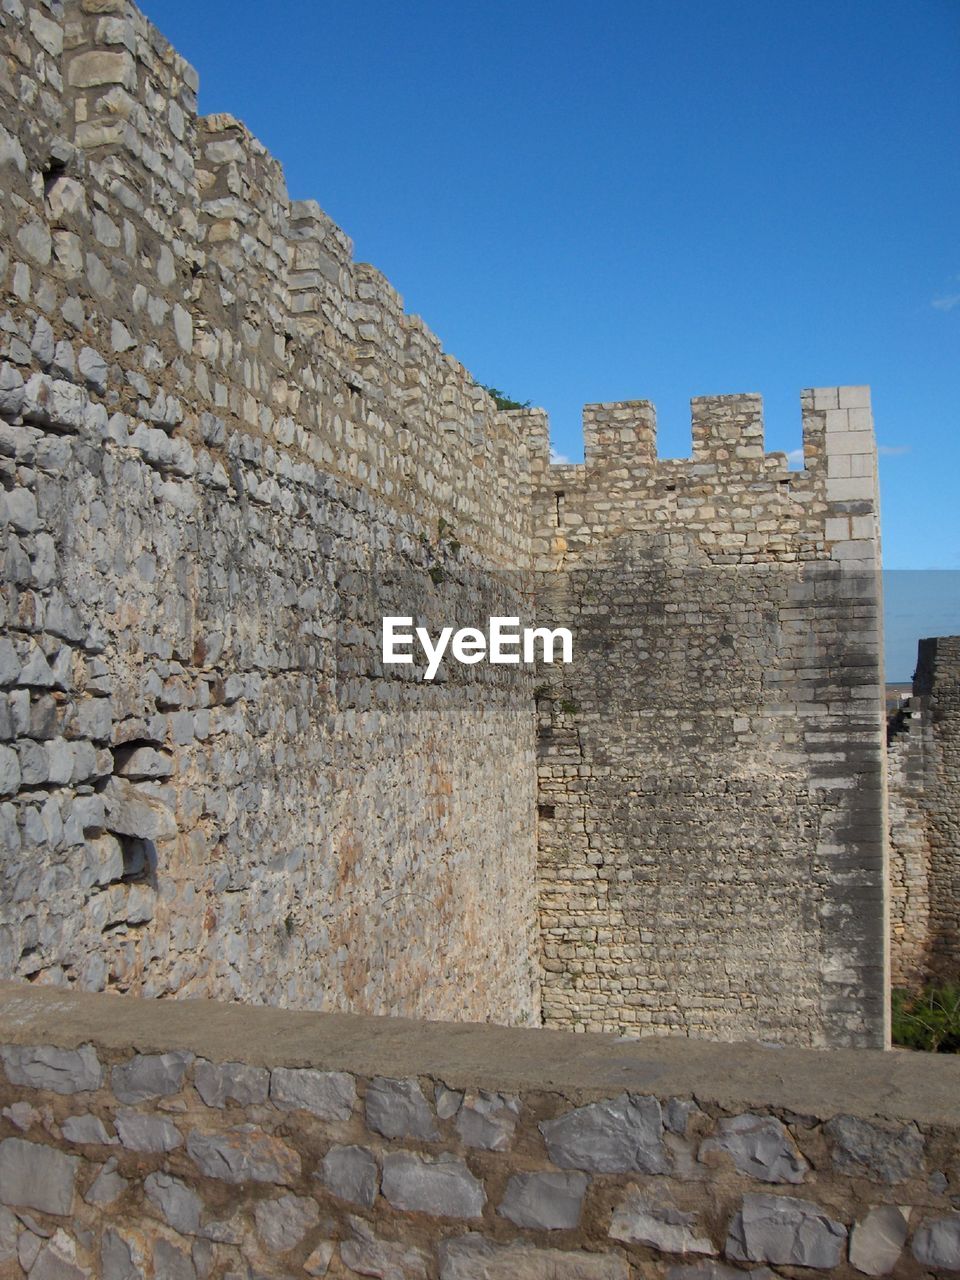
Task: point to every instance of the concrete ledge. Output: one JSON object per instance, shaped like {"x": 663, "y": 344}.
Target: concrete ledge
{"x": 898, "y": 1085}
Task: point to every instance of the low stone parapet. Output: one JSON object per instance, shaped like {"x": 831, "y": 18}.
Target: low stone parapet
{"x": 195, "y": 1139}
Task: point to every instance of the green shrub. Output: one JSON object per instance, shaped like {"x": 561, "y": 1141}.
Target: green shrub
{"x": 928, "y": 1019}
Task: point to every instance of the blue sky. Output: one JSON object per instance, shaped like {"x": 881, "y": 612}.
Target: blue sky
{"x": 655, "y": 199}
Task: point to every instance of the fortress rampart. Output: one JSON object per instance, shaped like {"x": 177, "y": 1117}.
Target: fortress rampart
{"x": 225, "y": 449}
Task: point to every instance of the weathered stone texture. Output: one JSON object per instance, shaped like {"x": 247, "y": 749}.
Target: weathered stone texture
{"x": 924, "y": 770}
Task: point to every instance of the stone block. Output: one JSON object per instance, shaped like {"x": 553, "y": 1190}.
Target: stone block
{"x": 351, "y": 1174}
{"x": 282, "y": 1223}
{"x": 937, "y": 1244}
{"x": 33, "y": 1176}
{"x": 876, "y": 1242}
{"x": 140, "y": 1131}
{"x": 879, "y": 1152}
{"x": 653, "y": 1218}
{"x": 331, "y": 1095}
{"x": 624, "y": 1135}
{"x": 442, "y": 1186}
{"x": 150, "y": 1075}
{"x": 544, "y": 1201}
{"x": 487, "y": 1120}
{"x": 398, "y": 1109}
{"x": 180, "y": 1206}
{"x": 100, "y": 67}
{"x": 785, "y": 1231}
{"x": 220, "y": 1082}
{"x": 759, "y": 1147}
{"x": 471, "y": 1257}
{"x": 243, "y": 1154}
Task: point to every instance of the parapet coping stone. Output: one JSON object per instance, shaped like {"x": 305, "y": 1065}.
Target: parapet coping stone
{"x": 896, "y": 1085}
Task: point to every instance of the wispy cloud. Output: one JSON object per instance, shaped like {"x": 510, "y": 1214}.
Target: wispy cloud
{"x": 795, "y": 456}
{"x": 892, "y": 450}
{"x": 947, "y": 302}
{"x": 558, "y": 459}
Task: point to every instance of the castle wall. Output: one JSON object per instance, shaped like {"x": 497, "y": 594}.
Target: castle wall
{"x": 189, "y": 1140}
{"x": 712, "y": 782}
{"x": 223, "y": 446}
{"x": 925, "y": 820}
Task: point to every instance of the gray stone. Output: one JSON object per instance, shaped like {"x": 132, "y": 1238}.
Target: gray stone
{"x": 781, "y": 1229}
{"x": 86, "y": 1129}
{"x": 937, "y": 1244}
{"x": 143, "y": 1132}
{"x": 183, "y": 327}
{"x": 145, "y": 762}
{"x": 544, "y": 1201}
{"x": 351, "y": 1174}
{"x": 398, "y": 1109}
{"x": 760, "y": 1147}
{"x": 180, "y": 1205}
{"x": 653, "y": 1218}
{"x": 42, "y": 1066}
{"x": 219, "y": 1082}
{"x": 331, "y": 1095}
{"x": 43, "y": 344}
{"x": 10, "y": 773}
{"x": 11, "y": 391}
{"x": 22, "y": 513}
{"x": 619, "y": 1136}
{"x": 57, "y": 1260}
{"x": 37, "y": 1177}
{"x": 878, "y": 1152}
{"x": 119, "y": 1257}
{"x": 368, "y": 1255}
{"x": 243, "y": 1154}
{"x": 877, "y": 1241}
{"x": 283, "y": 1223}
{"x": 107, "y": 1187}
{"x": 442, "y": 1186}
{"x": 150, "y": 1075}
{"x": 487, "y": 1121}
{"x": 172, "y": 1263}
{"x": 471, "y": 1257}
{"x": 131, "y": 811}
{"x": 93, "y": 368}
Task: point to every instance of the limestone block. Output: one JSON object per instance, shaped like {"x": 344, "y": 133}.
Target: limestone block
{"x": 398, "y": 1109}
{"x": 107, "y": 1186}
{"x": 619, "y": 1136}
{"x": 243, "y": 1154}
{"x": 133, "y": 811}
{"x": 101, "y": 66}
{"x": 88, "y": 1129}
{"x": 150, "y": 1075}
{"x": 143, "y": 1132}
{"x": 876, "y": 1242}
{"x": 351, "y": 1174}
{"x": 471, "y": 1257}
{"x": 331, "y": 1095}
{"x": 879, "y": 1152}
{"x": 653, "y": 1218}
{"x": 937, "y": 1244}
{"x": 781, "y": 1229}
{"x": 544, "y": 1201}
{"x": 760, "y": 1147}
{"x": 36, "y": 1177}
{"x": 282, "y": 1223}
{"x": 46, "y": 1067}
{"x": 442, "y": 1186}
{"x": 180, "y": 1205}
{"x": 368, "y": 1255}
{"x": 219, "y": 1082}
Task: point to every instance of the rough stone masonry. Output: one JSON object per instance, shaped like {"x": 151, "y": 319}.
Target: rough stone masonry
{"x": 226, "y": 453}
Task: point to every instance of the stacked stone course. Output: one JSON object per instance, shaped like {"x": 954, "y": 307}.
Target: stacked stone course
{"x": 514, "y": 1161}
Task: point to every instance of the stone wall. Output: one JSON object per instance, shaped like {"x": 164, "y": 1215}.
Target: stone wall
{"x": 712, "y": 790}
{"x": 925, "y": 820}
{"x": 225, "y": 452}
{"x": 223, "y": 447}
{"x": 190, "y": 1140}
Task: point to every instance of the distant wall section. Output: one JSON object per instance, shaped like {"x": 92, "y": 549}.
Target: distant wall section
{"x": 711, "y": 817}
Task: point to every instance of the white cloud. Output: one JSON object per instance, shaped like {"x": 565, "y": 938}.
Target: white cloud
{"x": 558, "y": 459}
{"x": 892, "y": 450}
{"x": 795, "y": 456}
{"x": 947, "y": 302}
